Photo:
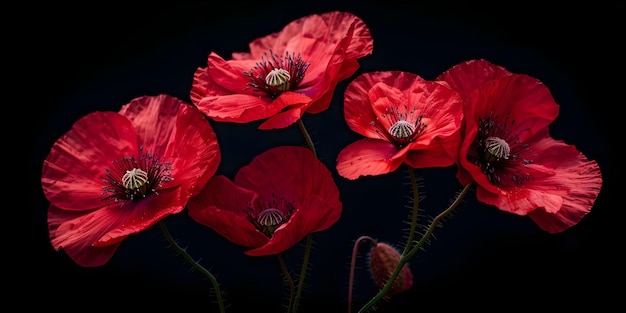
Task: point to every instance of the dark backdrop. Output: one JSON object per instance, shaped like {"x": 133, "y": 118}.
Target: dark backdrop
{"x": 99, "y": 56}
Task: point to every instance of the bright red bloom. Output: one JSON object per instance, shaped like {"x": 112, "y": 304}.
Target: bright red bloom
{"x": 405, "y": 118}
{"x": 283, "y": 195}
{"x": 508, "y": 151}
{"x": 285, "y": 74}
{"x": 116, "y": 174}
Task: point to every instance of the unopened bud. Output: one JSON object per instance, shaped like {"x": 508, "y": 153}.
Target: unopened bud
{"x": 383, "y": 260}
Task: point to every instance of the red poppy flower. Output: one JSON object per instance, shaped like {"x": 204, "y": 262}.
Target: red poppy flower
{"x": 283, "y": 195}
{"x": 405, "y": 118}
{"x": 508, "y": 151}
{"x": 285, "y": 74}
{"x": 116, "y": 174}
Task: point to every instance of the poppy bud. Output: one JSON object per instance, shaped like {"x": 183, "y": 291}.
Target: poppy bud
{"x": 383, "y": 260}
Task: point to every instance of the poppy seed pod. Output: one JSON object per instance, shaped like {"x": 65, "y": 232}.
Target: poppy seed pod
{"x": 383, "y": 260}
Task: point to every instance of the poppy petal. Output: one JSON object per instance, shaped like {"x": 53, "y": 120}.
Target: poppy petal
{"x": 229, "y": 75}
{"x": 326, "y": 60}
{"x": 282, "y": 119}
{"x": 577, "y": 180}
{"x": 76, "y": 232}
{"x": 439, "y": 153}
{"x": 467, "y": 76}
{"x": 72, "y": 172}
{"x": 368, "y": 157}
{"x": 296, "y": 174}
{"x": 142, "y": 214}
{"x": 441, "y": 109}
{"x": 232, "y": 107}
{"x": 203, "y": 85}
{"x": 356, "y": 44}
{"x": 522, "y": 99}
{"x": 384, "y": 98}
{"x": 163, "y": 126}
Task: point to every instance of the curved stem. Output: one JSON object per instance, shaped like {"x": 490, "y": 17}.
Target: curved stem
{"x": 353, "y": 266}
{"x": 196, "y": 265}
{"x": 309, "y": 238}
{"x": 305, "y": 133}
{"x": 305, "y": 262}
{"x": 405, "y": 257}
{"x": 292, "y": 287}
{"x": 414, "y": 212}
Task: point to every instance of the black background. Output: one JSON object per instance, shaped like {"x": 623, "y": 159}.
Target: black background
{"x": 99, "y": 56}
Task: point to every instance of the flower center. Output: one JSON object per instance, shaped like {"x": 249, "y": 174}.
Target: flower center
{"x": 270, "y": 219}
{"x": 499, "y": 152}
{"x": 274, "y": 75}
{"x": 496, "y": 149}
{"x": 132, "y": 179}
{"x": 135, "y": 178}
{"x": 401, "y": 129}
{"x": 273, "y": 212}
{"x": 279, "y": 78}
{"x": 406, "y": 123}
